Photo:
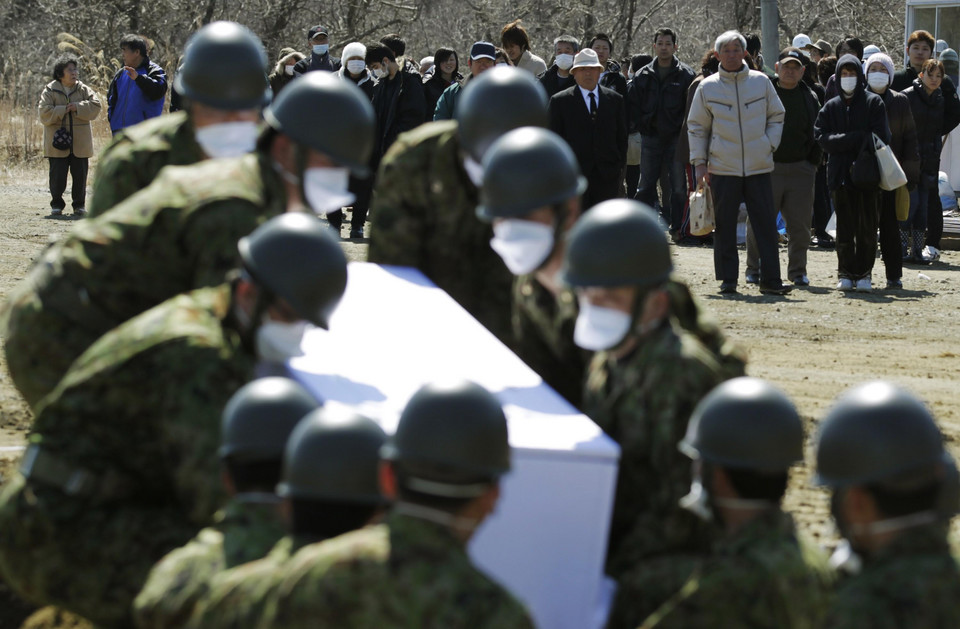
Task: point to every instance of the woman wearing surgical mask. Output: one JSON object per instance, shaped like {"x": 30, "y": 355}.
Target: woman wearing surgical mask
{"x": 283, "y": 71}
{"x": 843, "y": 126}
{"x": 903, "y": 142}
{"x": 927, "y": 103}
{"x": 354, "y": 69}
{"x": 446, "y": 73}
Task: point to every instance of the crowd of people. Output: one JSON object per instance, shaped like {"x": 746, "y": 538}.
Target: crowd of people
{"x": 175, "y": 478}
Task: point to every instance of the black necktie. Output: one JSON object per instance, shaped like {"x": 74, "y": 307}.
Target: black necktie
{"x": 593, "y": 105}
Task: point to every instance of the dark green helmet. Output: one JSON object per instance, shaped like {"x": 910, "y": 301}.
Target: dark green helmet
{"x": 745, "y": 423}
{"x": 333, "y": 455}
{"x": 617, "y": 243}
{"x": 526, "y": 169}
{"x": 217, "y": 47}
{"x": 451, "y": 435}
{"x": 877, "y": 432}
{"x": 260, "y": 416}
{"x": 499, "y": 100}
{"x": 348, "y": 136}
{"x": 295, "y": 257}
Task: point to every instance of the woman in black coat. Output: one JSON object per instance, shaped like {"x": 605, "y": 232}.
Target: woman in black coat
{"x": 445, "y": 73}
{"x": 927, "y": 103}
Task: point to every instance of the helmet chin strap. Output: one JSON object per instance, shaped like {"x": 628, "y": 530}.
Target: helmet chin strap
{"x": 299, "y": 166}
{"x": 465, "y": 525}
{"x": 895, "y": 524}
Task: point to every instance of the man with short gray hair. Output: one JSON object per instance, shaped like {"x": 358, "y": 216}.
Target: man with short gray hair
{"x": 558, "y": 77}
{"x": 734, "y": 126}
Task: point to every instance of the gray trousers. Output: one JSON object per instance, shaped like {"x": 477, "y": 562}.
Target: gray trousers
{"x": 793, "y": 194}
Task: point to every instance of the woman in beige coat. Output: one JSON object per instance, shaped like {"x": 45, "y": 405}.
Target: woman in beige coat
{"x": 67, "y": 102}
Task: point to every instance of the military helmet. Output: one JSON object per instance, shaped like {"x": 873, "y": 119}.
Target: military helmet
{"x": 348, "y": 136}
{"x": 451, "y": 433}
{"x": 333, "y": 455}
{"x": 526, "y": 169}
{"x": 949, "y": 55}
{"x": 617, "y": 243}
{"x": 224, "y": 67}
{"x": 260, "y": 416}
{"x": 745, "y": 423}
{"x": 497, "y": 101}
{"x": 295, "y": 257}
{"x": 877, "y": 432}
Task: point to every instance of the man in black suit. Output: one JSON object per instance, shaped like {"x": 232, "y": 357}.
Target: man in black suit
{"x": 593, "y": 121}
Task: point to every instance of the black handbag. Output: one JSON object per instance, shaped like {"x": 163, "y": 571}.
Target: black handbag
{"x": 63, "y": 139}
{"x": 865, "y": 170}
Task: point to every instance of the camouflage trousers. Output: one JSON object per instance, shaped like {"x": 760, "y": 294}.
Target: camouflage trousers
{"x": 642, "y": 590}
{"x": 89, "y": 559}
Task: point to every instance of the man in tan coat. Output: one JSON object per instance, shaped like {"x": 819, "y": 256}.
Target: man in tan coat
{"x": 69, "y": 104}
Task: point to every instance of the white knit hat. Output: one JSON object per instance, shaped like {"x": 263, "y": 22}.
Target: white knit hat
{"x": 354, "y": 49}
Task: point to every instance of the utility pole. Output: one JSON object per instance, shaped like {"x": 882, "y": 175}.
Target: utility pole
{"x": 770, "y": 31}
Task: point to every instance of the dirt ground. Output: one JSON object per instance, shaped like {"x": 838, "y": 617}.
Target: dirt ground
{"x": 814, "y": 343}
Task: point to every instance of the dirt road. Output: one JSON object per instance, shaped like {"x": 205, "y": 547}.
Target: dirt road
{"x": 813, "y": 343}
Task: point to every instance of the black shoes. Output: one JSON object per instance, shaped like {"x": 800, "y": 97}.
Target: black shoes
{"x": 774, "y": 288}
{"x": 728, "y": 288}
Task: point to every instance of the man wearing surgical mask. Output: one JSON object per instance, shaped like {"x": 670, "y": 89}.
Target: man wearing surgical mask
{"x": 760, "y": 571}
{"x": 180, "y": 233}
{"x": 124, "y": 452}
{"x": 893, "y": 492}
{"x": 318, "y": 39}
{"x": 645, "y": 380}
{"x": 219, "y": 115}
{"x": 558, "y": 77}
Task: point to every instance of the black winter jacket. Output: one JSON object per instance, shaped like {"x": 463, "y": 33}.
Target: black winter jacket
{"x": 928, "y": 115}
{"x": 812, "y": 101}
{"x": 433, "y": 87}
{"x": 553, "y": 82}
{"x": 656, "y": 107}
{"x": 402, "y": 112}
{"x": 903, "y": 133}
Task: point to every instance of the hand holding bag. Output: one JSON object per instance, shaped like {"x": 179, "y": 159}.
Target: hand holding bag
{"x": 702, "y": 220}
{"x": 891, "y": 173}
{"x": 865, "y": 170}
{"x": 63, "y": 139}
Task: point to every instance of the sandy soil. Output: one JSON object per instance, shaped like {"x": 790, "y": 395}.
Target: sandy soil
{"x": 814, "y": 343}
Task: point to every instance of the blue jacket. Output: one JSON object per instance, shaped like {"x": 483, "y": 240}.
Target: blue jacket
{"x": 131, "y": 101}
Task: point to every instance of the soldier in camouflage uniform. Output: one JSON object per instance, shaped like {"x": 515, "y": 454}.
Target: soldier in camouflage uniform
{"x": 743, "y": 437}
{"x": 220, "y": 119}
{"x": 893, "y": 490}
{"x": 413, "y": 571}
{"x": 531, "y": 192}
{"x": 180, "y": 233}
{"x": 256, "y": 423}
{"x": 121, "y": 465}
{"x": 330, "y": 487}
{"x": 641, "y": 387}
{"x": 425, "y": 198}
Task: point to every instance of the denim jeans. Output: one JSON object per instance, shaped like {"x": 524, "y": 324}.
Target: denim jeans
{"x": 656, "y": 159}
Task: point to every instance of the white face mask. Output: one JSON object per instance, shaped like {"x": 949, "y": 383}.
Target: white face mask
{"x": 474, "y": 171}
{"x": 327, "y": 189}
{"x": 564, "y": 62}
{"x": 848, "y": 84}
{"x": 288, "y": 70}
{"x": 599, "y": 328}
{"x": 321, "y": 49}
{"x": 380, "y": 72}
{"x": 278, "y": 342}
{"x": 227, "y": 139}
{"x": 523, "y": 245}
{"x": 356, "y": 66}
{"x": 878, "y": 80}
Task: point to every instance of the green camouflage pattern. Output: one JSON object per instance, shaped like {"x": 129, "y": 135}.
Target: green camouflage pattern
{"x": 643, "y": 401}
{"x": 179, "y": 234}
{"x": 142, "y": 408}
{"x": 423, "y": 215}
{"x": 237, "y": 598}
{"x": 137, "y": 154}
{"x": 763, "y": 576}
{"x": 913, "y": 582}
{"x": 543, "y": 326}
{"x": 405, "y": 573}
{"x": 243, "y": 531}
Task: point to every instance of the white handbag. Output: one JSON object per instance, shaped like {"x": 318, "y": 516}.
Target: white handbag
{"x": 891, "y": 173}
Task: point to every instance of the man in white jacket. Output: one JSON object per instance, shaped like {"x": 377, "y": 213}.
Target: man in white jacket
{"x": 734, "y": 126}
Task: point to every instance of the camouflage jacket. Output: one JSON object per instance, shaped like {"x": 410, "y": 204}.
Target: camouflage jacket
{"x": 135, "y": 156}
{"x": 424, "y": 216}
{"x": 405, "y": 573}
{"x": 643, "y": 401}
{"x": 137, "y": 420}
{"x": 179, "y": 234}
{"x": 543, "y": 326}
{"x": 914, "y": 582}
{"x": 764, "y": 576}
{"x": 245, "y": 530}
